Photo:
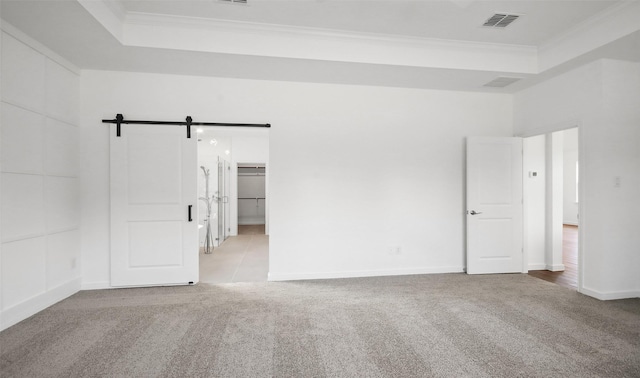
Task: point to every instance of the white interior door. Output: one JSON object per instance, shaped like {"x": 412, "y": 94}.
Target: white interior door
{"x": 494, "y": 205}
{"x": 153, "y": 189}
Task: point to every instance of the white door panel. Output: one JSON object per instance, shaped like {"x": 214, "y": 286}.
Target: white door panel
{"x": 153, "y": 183}
{"x": 151, "y": 244}
{"x": 494, "y": 205}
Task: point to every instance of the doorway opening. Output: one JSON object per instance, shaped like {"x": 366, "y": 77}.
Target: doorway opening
{"x": 552, "y": 206}
{"x": 237, "y": 254}
{"x": 251, "y": 198}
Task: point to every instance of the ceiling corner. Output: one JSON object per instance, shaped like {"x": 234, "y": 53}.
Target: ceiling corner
{"x": 603, "y": 28}
{"x": 110, "y": 14}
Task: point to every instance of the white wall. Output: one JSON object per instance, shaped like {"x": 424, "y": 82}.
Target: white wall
{"x": 352, "y": 170}
{"x": 570, "y": 157}
{"x": 534, "y": 196}
{"x": 603, "y": 98}
{"x": 40, "y": 217}
{"x": 554, "y": 200}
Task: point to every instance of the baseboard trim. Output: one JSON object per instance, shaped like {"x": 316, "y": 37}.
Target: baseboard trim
{"x": 555, "y": 268}
{"x": 96, "y": 285}
{"x": 611, "y": 295}
{"x": 361, "y": 273}
{"x": 537, "y": 266}
{"x": 22, "y": 311}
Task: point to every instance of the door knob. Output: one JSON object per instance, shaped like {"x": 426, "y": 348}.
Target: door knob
{"x": 473, "y": 212}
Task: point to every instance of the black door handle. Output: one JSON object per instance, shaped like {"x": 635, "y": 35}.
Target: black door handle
{"x": 190, "y": 220}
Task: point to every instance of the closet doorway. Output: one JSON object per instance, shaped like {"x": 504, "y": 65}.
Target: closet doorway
{"x": 251, "y": 198}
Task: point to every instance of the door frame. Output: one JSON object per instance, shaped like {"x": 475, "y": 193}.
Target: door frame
{"x": 266, "y": 191}
{"x": 245, "y": 156}
{"x": 581, "y": 188}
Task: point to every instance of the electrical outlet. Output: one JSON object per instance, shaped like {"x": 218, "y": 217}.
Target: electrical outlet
{"x": 394, "y": 250}
{"x": 73, "y": 263}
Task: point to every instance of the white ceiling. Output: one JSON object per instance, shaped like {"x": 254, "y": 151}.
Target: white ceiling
{"x": 452, "y": 20}
{"x": 415, "y": 44}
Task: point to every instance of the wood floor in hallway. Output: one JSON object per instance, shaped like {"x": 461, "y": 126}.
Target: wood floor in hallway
{"x": 569, "y": 277}
{"x": 242, "y": 258}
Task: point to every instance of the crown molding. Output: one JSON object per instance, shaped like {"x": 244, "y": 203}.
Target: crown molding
{"x": 150, "y": 19}
{"x": 198, "y": 34}
{"x": 245, "y": 38}
{"x": 281, "y": 41}
{"x": 603, "y": 28}
{"x": 257, "y": 39}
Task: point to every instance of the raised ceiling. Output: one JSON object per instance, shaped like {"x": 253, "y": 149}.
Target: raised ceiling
{"x": 448, "y": 20}
{"x": 416, "y": 44}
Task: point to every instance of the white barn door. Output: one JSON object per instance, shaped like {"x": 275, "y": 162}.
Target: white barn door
{"x": 153, "y": 190}
{"x": 494, "y": 205}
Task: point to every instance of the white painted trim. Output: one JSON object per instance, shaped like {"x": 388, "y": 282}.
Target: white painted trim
{"x": 40, "y": 111}
{"x": 555, "y": 268}
{"x": 582, "y": 207}
{"x": 569, "y": 123}
{"x": 525, "y": 215}
{"x": 362, "y": 273}
{"x": 611, "y": 295}
{"x": 566, "y": 124}
{"x": 605, "y": 27}
{"x": 209, "y": 35}
{"x": 162, "y": 20}
{"x": 250, "y": 38}
{"x": 96, "y": 285}
{"x": 18, "y": 238}
{"x": 539, "y": 266}
{"x": 21, "y": 311}
{"x": 39, "y": 47}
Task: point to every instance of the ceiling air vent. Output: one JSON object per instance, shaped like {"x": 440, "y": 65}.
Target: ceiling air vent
{"x": 500, "y": 20}
{"x": 235, "y": 1}
{"x": 501, "y": 82}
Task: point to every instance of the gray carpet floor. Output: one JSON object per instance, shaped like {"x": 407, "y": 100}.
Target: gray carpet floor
{"x": 450, "y": 325}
